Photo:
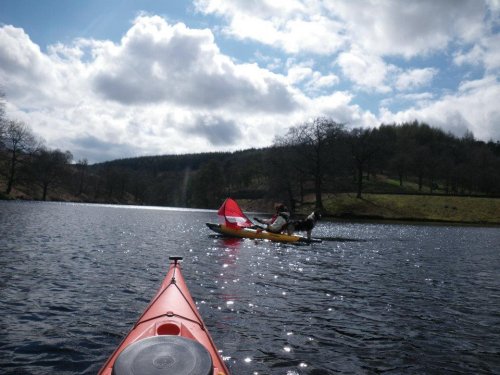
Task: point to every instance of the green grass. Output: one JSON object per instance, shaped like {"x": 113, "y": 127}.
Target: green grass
{"x": 415, "y": 207}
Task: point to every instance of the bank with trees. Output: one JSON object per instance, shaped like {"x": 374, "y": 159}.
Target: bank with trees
{"x": 312, "y": 160}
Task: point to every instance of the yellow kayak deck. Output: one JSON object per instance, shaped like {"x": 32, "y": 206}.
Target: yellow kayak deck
{"x": 258, "y": 234}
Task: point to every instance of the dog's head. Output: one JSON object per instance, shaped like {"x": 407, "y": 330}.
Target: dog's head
{"x": 314, "y": 216}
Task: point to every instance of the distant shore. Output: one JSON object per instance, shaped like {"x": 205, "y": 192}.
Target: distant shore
{"x": 425, "y": 209}
{"x": 398, "y": 208}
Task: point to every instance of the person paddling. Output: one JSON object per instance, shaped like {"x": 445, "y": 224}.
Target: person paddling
{"x": 279, "y": 222}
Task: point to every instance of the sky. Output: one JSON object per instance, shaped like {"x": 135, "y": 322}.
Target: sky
{"x": 125, "y": 78}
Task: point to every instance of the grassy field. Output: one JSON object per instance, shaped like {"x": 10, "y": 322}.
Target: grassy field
{"x": 414, "y": 207}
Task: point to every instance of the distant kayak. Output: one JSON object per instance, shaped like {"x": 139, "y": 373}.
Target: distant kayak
{"x": 234, "y": 223}
{"x": 231, "y": 231}
{"x": 169, "y": 337}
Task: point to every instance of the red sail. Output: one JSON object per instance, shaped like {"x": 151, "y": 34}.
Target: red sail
{"x": 230, "y": 214}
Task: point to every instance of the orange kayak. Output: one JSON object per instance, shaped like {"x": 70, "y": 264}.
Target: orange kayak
{"x": 169, "y": 337}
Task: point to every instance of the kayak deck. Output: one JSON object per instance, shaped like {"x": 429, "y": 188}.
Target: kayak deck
{"x": 258, "y": 234}
{"x": 170, "y": 335}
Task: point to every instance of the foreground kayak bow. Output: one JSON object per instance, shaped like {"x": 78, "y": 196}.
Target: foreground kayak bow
{"x": 169, "y": 337}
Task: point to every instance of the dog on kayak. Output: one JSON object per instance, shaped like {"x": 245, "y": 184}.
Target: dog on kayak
{"x": 306, "y": 225}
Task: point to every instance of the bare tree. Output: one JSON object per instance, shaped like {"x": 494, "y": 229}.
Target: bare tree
{"x": 3, "y": 135}
{"x": 49, "y": 167}
{"x": 2, "y": 104}
{"x": 311, "y": 141}
{"x": 82, "y": 171}
{"x": 363, "y": 149}
{"x": 3, "y": 120}
{"x": 18, "y": 141}
{"x": 285, "y": 180}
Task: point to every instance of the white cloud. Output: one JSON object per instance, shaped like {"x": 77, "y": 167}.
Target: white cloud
{"x": 339, "y": 107}
{"x": 298, "y": 73}
{"x": 366, "y": 71}
{"x": 261, "y": 8}
{"x": 25, "y": 70}
{"x": 491, "y": 54}
{"x": 474, "y": 56}
{"x": 294, "y": 26}
{"x": 319, "y": 82}
{"x": 157, "y": 62}
{"x": 473, "y": 107}
{"x": 162, "y": 89}
{"x": 168, "y": 88}
{"x": 415, "y": 78}
{"x": 485, "y": 52}
{"x": 409, "y": 29}
{"x": 374, "y": 44}
{"x": 312, "y": 80}
{"x": 19, "y": 54}
{"x": 269, "y": 62}
{"x": 416, "y": 99}
{"x": 389, "y": 27}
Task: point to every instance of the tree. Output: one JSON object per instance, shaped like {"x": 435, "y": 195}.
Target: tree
{"x": 363, "y": 149}
{"x": 82, "y": 167}
{"x": 393, "y": 145}
{"x": 3, "y": 119}
{"x": 49, "y": 167}
{"x": 18, "y": 140}
{"x": 208, "y": 185}
{"x": 311, "y": 142}
{"x": 285, "y": 181}
{"x": 115, "y": 179}
{"x": 3, "y": 127}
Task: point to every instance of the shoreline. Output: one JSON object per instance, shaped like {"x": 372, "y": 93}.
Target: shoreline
{"x": 256, "y": 207}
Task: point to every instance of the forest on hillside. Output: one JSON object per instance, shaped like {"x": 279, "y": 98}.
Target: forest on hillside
{"x": 313, "y": 158}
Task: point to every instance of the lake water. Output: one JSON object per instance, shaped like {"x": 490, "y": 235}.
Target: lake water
{"x": 375, "y": 298}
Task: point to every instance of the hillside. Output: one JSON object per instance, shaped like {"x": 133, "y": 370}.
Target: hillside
{"x": 398, "y": 172}
{"x": 453, "y": 209}
{"x": 399, "y": 207}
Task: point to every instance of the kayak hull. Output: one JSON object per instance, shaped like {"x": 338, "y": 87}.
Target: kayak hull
{"x": 172, "y": 319}
{"x": 258, "y": 234}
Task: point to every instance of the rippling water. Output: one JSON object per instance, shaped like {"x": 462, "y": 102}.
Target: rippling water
{"x": 375, "y": 298}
